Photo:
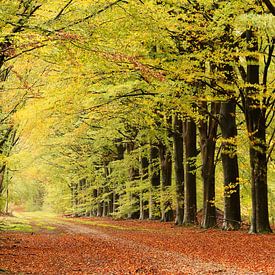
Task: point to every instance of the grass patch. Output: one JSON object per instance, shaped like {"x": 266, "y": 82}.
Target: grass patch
{"x": 49, "y": 227}
{"x": 13, "y": 224}
{"x": 95, "y": 223}
{"x": 27, "y": 222}
{"x": 38, "y": 215}
{"x": 107, "y": 225}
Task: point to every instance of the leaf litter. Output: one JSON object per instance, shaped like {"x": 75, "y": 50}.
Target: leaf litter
{"x": 106, "y": 246}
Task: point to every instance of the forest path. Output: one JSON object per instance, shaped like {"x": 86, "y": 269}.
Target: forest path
{"x": 103, "y": 246}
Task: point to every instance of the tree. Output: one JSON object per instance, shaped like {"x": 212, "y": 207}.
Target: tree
{"x": 190, "y": 194}
{"x": 179, "y": 170}
{"x": 255, "y": 116}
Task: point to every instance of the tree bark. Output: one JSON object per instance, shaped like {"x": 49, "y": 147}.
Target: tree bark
{"x": 256, "y": 125}
{"x": 144, "y": 163}
{"x": 179, "y": 169}
{"x": 154, "y": 173}
{"x": 166, "y": 179}
{"x": 120, "y": 155}
{"x": 99, "y": 203}
{"x": 132, "y": 197}
{"x": 232, "y": 209}
{"x": 190, "y": 198}
{"x": 208, "y": 136}
{"x": 2, "y": 176}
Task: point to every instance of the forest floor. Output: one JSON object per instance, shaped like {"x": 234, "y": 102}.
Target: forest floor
{"x": 39, "y": 244}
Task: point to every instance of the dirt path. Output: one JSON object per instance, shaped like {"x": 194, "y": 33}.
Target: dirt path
{"x": 158, "y": 260}
{"x": 112, "y": 248}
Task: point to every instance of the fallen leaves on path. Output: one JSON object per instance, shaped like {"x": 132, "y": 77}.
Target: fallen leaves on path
{"x": 105, "y": 246}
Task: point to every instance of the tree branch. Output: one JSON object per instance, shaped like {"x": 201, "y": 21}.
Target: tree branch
{"x": 62, "y": 10}
{"x": 270, "y": 6}
{"x": 90, "y": 15}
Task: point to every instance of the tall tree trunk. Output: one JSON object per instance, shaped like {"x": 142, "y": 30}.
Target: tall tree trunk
{"x": 232, "y": 209}
{"x": 132, "y": 197}
{"x": 87, "y": 198}
{"x": 110, "y": 204}
{"x": 179, "y": 170}
{"x": 106, "y": 207}
{"x": 99, "y": 203}
{"x": 190, "y": 198}
{"x": 256, "y": 126}
{"x": 154, "y": 173}
{"x": 120, "y": 155}
{"x": 166, "y": 179}
{"x": 82, "y": 202}
{"x": 144, "y": 163}
{"x": 208, "y": 136}
{"x": 74, "y": 198}
{"x": 94, "y": 210}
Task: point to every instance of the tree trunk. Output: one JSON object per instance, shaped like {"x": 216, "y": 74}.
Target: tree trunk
{"x": 120, "y": 155}
{"x": 106, "y": 207}
{"x": 179, "y": 170}
{"x": 7, "y": 201}
{"x": 190, "y": 198}
{"x": 76, "y": 199}
{"x": 154, "y": 173}
{"x": 208, "y": 136}
{"x": 2, "y": 176}
{"x": 166, "y": 178}
{"x": 82, "y": 202}
{"x": 256, "y": 126}
{"x": 144, "y": 163}
{"x": 132, "y": 197}
{"x": 232, "y": 209}
{"x": 99, "y": 203}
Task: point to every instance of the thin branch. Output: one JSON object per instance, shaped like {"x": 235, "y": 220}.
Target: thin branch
{"x": 14, "y": 109}
{"x": 271, "y": 148}
{"x": 25, "y": 51}
{"x": 142, "y": 93}
{"x": 218, "y": 156}
{"x": 270, "y": 112}
{"x": 267, "y": 64}
{"x": 90, "y": 16}
{"x": 62, "y": 10}
{"x": 206, "y": 112}
{"x": 271, "y": 118}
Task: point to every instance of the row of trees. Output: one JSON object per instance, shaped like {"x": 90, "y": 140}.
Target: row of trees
{"x": 141, "y": 102}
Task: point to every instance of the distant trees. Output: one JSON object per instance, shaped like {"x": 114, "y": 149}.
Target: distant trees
{"x": 27, "y": 26}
